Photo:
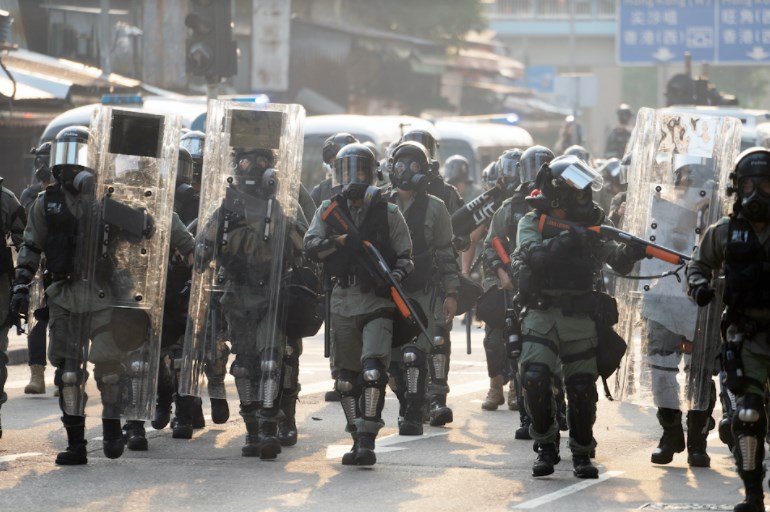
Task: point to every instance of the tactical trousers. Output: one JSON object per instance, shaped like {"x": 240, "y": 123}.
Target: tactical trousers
{"x": 550, "y": 338}
{"x": 664, "y": 355}
{"x": 250, "y": 334}
{"x": 360, "y": 337}
{"x": 498, "y": 362}
{"x": 70, "y": 332}
{"x": 5, "y": 300}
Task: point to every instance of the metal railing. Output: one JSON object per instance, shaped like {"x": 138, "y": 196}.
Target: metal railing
{"x": 550, "y": 9}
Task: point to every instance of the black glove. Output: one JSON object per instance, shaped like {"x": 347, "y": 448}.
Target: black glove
{"x": 635, "y": 252}
{"x": 20, "y": 299}
{"x": 353, "y": 242}
{"x": 566, "y": 242}
{"x": 702, "y": 294}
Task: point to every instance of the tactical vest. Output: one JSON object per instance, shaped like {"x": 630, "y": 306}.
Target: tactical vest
{"x": 422, "y": 254}
{"x": 747, "y": 268}
{"x": 437, "y": 187}
{"x": 62, "y": 225}
{"x": 375, "y": 229}
{"x": 243, "y": 251}
{"x": 519, "y": 209}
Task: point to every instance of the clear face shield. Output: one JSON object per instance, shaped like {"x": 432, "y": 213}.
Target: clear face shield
{"x": 70, "y": 153}
{"x": 194, "y": 146}
{"x": 528, "y": 167}
{"x": 355, "y": 174}
{"x": 579, "y": 175}
{"x": 692, "y": 170}
{"x": 510, "y": 172}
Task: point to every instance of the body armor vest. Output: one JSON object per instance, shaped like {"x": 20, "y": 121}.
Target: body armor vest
{"x": 747, "y": 268}
{"x": 518, "y": 208}
{"x": 375, "y": 229}
{"x": 246, "y": 244}
{"x": 422, "y": 255}
{"x": 437, "y": 187}
{"x": 62, "y": 227}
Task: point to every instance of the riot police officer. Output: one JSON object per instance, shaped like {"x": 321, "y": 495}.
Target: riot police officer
{"x": 331, "y": 147}
{"x": 739, "y": 246}
{"x": 36, "y": 338}
{"x": 506, "y": 168}
{"x": 435, "y": 266}
{"x": 457, "y": 173}
{"x": 555, "y": 278}
{"x": 361, "y": 316}
{"x": 618, "y": 138}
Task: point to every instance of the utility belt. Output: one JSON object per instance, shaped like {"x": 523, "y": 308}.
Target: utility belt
{"x": 59, "y": 276}
{"x": 570, "y": 305}
{"x": 746, "y": 324}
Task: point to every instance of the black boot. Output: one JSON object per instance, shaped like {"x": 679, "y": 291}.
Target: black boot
{"x": 287, "y": 427}
{"x": 726, "y": 432}
{"x": 76, "y": 453}
{"x": 672, "y": 440}
{"x": 412, "y": 422}
{"x": 182, "y": 424}
{"x": 251, "y": 447}
{"x": 269, "y": 446}
{"x": 163, "y": 401}
{"x": 523, "y": 431}
{"x": 547, "y": 458}
{"x": 349, "y": 459}
{"x": 697, "y": 431}
{"x": 440, "y": 414}
{"x": 582, "y": 467}
{"x": 112, "y": 440}
{"x": 754, "y": 502}
{"x": 135, "y": 436}
{"x": 365, "y": 455}
{"x": 220, "y": 411}
{"x": 198, "y": 421}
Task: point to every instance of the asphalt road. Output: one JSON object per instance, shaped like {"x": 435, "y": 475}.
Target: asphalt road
{"x": 472, "y": 464}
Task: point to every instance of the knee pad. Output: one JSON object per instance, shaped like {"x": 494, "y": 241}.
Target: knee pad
{"x": 581, "y": 413}
{"x": 114, "y": 389}
{"x": 537, "y": 388}
{"x": 72, "y": 396}
{"x": 374, "y": 380}
{"x": 749, "y": 428}
{"x": 439, "y": 358}
{"x": 349, "y": 389}
{"x": 414, "y": 366}
{"x": 270, "y": 378}
{"x": 216, "y": 364}
{"x": 290, "y": 374}
{"x": 246, "y": 378}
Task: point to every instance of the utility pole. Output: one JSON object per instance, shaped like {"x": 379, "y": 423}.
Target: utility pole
{"x": 163, "y": 43}
{"x": 105, "y": 36}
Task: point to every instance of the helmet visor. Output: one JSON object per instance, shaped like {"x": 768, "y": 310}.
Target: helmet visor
{"x": 528, "y": 167}
{"x": 194, "y": 145}
{"x": 70, "y": 153}
{"x": 184, "y": 172}
{"x": 579, "y": 175}
{"x": 354, "y": 170}
{"x": 510, "y": 168}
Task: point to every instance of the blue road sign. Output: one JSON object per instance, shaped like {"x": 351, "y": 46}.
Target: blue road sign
{"x": 716, "y": 31}
{"x": 541, "y": 78}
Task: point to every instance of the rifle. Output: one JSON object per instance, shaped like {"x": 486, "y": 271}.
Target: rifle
{"x": 374, "y": 263}
{"x": 475, "y": 212}
{"x": 551, "y": 226}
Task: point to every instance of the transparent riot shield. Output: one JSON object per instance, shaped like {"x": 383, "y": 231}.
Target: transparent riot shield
{"x": 244, "y": 246}
{"x": 137, "y": 157}
{"x": 679, "y": 171}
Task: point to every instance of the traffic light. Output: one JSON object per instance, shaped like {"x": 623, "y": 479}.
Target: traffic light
{"x": 211, "y": 51}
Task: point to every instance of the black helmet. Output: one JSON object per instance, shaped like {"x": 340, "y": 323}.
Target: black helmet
{"x": 70, "y": 148}
{"x": 194, "y": 142}
{"x": 355, "y": 170}
{"x": 751, "y": 181}
{"x": 42, "y": 163}
{"x": 410, "y": 164}
{"x": 624, "y": 113}
{"x": 184, "y": 170}
{"x": 333, "y": 144}
{"x": 580, "y": 152}
{"x": 457, "y": 170}
{"x": 566, "y": 183}
{"x": 532, "y": 160}
{"x": 490, "y": 174}
{"x": 425, "y": 138}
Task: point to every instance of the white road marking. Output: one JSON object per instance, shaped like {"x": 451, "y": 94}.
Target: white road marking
{"x": 383, "y": 445}
{"x": 548, "y": 498}
{"x": 9, "y": 458}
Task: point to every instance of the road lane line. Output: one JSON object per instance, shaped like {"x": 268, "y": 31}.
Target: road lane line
{"x": 9, "y": 458}
{"x": 548, "y": 498}
{"x": 383, "y": 445}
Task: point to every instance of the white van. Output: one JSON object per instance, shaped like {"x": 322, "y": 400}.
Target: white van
{"x": 481, "y": 143}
